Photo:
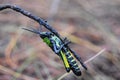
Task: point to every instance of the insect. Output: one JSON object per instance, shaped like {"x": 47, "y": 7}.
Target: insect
{"x": 61, "y": 49}
{"x": 54, "y": 41}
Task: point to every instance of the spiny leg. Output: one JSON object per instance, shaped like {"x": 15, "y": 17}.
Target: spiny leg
{"x": 66, "y": 40}
{"x": 79, "y": 59}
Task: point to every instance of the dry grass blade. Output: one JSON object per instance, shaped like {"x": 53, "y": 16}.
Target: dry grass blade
{"x": 94, "y": 56}
{"x": 11, "y": 46}
{"x": 15, "y": 74}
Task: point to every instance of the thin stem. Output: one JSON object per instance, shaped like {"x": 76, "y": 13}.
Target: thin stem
{"x": 94, "y": 56}
{"x": 28, "y": 14}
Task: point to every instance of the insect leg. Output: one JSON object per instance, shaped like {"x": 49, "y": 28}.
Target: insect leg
{"x": 66, "y": 43}
{"x": 66, "y": 40}
{"x": 55, "y": 46}
{"x": 79, "y": 59}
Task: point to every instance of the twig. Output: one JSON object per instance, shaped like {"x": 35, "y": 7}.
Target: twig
{"x": 28, "y": 14}
{"x": 66, "y": 74}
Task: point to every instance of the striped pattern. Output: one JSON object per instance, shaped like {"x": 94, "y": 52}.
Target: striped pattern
{"x": 73, "y": 64}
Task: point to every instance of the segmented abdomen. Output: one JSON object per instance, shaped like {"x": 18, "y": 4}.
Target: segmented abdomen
{"x": 73, "y": 64}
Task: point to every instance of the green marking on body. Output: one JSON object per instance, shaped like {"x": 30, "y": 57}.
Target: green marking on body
{"x": 47, "y": 41}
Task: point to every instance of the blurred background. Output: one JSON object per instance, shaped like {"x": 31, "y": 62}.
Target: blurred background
{"x": 91, "y": 25}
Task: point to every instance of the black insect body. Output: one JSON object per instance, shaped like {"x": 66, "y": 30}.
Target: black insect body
{"x": 53, "y": 40}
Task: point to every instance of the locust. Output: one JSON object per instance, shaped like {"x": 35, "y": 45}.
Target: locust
{"x": 61, "y": 49}
{"x": 53, "y": 39}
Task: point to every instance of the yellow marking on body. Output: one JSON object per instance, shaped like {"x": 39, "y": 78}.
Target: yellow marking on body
{"x": 75, "y": 64}
{"x": 70, "y": 56}
{"x": 65, "y": 60}
{"x": 72, "y": 60}
{"x": 78, "y": 67}
{"x": 67, "y": 53}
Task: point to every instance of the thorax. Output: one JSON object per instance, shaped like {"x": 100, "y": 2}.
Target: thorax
{"x": 57, "y": 41}
{"x": 54, "y": 38}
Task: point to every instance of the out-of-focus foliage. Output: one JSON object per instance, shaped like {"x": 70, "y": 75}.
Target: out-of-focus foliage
{"x": 90, "y": 24}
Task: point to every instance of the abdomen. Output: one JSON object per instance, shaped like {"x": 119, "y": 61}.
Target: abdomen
{"x": 73, "y": 64}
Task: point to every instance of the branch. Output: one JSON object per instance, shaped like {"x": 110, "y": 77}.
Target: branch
{"x": 28, "y": 14}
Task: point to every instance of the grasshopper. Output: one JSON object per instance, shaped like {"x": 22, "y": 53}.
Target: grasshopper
{"x": 62, "y": 50}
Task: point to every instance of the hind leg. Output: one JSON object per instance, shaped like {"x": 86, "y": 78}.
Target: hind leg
{"x": 55, "y": 48}
{"x": 79, "y": 59}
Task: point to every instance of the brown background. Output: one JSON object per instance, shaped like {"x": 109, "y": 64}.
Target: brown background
{"x": 91, "y": 25}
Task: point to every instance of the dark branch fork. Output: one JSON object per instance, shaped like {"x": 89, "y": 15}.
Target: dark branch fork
{"x": 28, "y": 14}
